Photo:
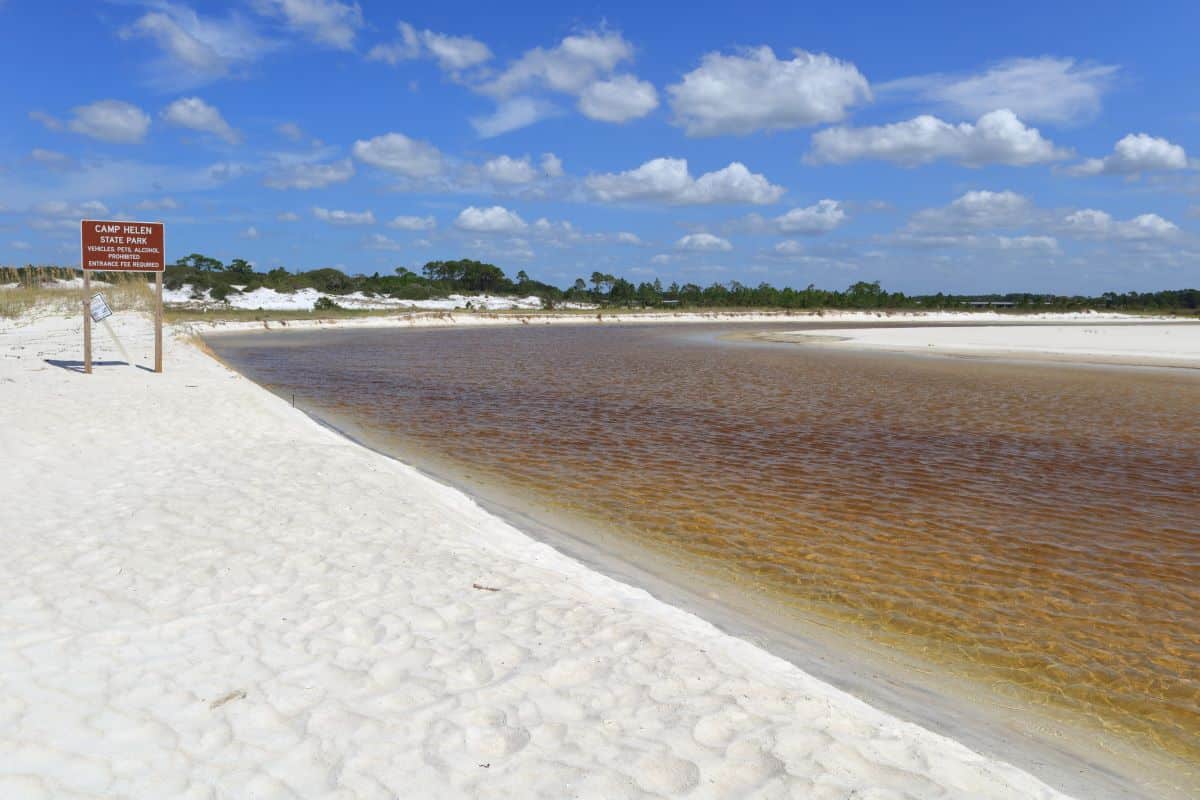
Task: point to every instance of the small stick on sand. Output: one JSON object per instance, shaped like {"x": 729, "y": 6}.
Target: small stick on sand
{"x": 236, "y": 694}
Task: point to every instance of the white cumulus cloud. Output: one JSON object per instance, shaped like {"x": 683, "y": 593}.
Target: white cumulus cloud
{"x": 813, "y": 220}
{"x": 290, "y": 130}
{"x": 508, "y": 170}
{"x": 338, "y": 217}
{"x": 406, "y": 48}
{"x": 110, "y": 121}
{"x": 754, "y": 90}
{"x": 1045, "y": 89}
{"x": 1135, "y": 154}
{"x": 581, "y": 65}
{"x": 194, "y": 113}
{"x": 975, "y": 210}
{"x": 396, "y": 152}
{"x": 618, "y": 100}
{"x": 377, "y": 241}
{"x": 412, "y": 223}
{"x": 326, "y": 22}
{"x": 552, "y": 165}
{"x": 974, "y": 241}
{"x": 998, "y": 137}
{"x": 51, "y": 158}
{"x": 703, "y": 243}
{"x": 1089, "y": 223}
{"x": 310, "y": 175}
{"x": 512, "y": 114}
{"x": 495, "y": 219}
{"x": 1005, "y": 220}
{"x": 568, "y": 67}
{"x": 452, "y": 53}
{"x": 667, "y": 180}
{"x": 196, "y": 49}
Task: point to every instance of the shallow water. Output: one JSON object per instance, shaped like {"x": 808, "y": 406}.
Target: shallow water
{"x": 1036, "y": 526}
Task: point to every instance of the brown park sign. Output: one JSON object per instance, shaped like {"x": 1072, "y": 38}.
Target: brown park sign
{"x": 113, "y": 246}
{"x": 116, "y": 246}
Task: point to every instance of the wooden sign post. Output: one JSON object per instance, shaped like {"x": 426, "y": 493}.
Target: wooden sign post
{"x": 87, "y": 323}
{"x": 118, "y": 246}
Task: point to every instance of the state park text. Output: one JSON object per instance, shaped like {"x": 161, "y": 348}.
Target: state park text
{"x": 122, "y": 246}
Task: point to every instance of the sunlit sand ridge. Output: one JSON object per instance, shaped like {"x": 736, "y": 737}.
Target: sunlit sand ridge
{"x": 1031, "y": 526}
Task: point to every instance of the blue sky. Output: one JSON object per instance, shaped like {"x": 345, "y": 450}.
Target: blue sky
{"x": 936, "y": 147}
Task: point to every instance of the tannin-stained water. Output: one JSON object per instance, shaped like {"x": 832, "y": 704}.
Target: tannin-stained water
{"x": 1035, "y": 524}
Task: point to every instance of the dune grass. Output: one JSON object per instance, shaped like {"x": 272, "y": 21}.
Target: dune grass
{"x": 41, "y": 291}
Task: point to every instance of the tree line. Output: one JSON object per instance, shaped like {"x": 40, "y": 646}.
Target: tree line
{"x": 439, "y": 278}
{"x": 465, "y": 276}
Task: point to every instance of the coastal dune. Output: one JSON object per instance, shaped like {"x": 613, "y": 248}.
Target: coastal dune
{"x": 207, "y": 594}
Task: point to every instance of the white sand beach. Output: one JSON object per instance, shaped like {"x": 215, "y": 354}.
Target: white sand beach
{"x": 1112, "y": 341}
{"x": 206, "y": 594}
